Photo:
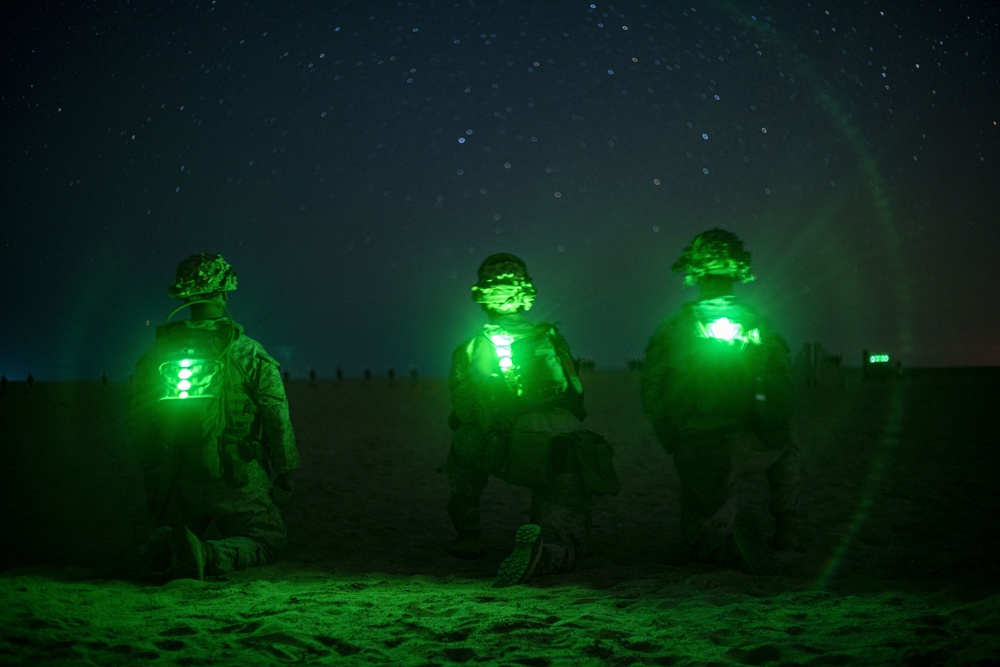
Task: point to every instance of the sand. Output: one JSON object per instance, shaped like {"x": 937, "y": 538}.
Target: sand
{"x": 897, "y": 567}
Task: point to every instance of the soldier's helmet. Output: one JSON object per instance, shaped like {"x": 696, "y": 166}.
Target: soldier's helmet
{"x": 715, "y": 252}
{"x": 202, "y": 274}
{"x": 504, "y": 284}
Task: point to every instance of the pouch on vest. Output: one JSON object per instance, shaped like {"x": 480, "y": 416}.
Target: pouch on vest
{"x": 595, "y": 457}
{"x": 774, "y": 399}
{"x": 524, "y": 458}
{"x": 541, "y": 378}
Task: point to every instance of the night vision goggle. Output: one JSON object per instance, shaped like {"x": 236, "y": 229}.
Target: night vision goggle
{"x": 507, "y": 293}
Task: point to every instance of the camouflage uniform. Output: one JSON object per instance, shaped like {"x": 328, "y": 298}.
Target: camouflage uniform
{"x": 712, "y": 454}
{"x": 258, "y": 444}
{"x": 487, "y": 421}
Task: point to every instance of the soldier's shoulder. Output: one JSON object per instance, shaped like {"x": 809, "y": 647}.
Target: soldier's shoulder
{"x": 673, "y": 320}
{"x": 761, "y": 317}
{"x": 765, "y": 324}
{"x": 550, "y": 327}
{"x": 468, "y": 342}
{"x": 778, "y": 341}
{"x": 249, "y": 348}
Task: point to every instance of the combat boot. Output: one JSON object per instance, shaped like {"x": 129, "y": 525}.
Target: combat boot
{"x": 189, "y": 555}
{"x": 518, "y": 567}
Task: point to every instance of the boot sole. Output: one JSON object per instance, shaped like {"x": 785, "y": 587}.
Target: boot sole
{"x": 518, "y": 567}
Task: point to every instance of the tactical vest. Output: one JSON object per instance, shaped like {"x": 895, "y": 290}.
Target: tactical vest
{"x": 532, "y": 369}
{"x": 719, "y": 365}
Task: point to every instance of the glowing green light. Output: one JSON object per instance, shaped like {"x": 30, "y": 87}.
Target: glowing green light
{"x": 727, "y": 331}
{"x": 502, "y": 343}
{"x": 723, "y": 329}
{"x": 188, "y": 378}
{"x": 878, "y": 359}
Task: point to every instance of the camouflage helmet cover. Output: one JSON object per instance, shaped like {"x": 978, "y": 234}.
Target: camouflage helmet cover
{"x": 715, "y": 252}
{"x": 205, "y": 273}
{"x": 504, "y": 283}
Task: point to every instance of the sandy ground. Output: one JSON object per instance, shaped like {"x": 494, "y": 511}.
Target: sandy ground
{"x": 898, "y": 563}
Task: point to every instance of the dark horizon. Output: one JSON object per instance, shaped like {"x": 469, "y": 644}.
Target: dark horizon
{"x": 405, "y": 377}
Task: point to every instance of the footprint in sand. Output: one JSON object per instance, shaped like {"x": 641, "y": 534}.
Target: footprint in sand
{"x": 170, "y": 645}
{"x": 339, "y": 645}
{"x": 239, "y": 628}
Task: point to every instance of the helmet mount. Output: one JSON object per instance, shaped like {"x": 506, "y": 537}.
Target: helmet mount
{"x": 504, "y": 285}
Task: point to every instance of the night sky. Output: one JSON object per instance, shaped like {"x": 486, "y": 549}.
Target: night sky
{"x": 356, "y": 160}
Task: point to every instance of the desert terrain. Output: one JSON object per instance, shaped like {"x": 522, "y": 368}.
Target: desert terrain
{"x": 898, "y": 562}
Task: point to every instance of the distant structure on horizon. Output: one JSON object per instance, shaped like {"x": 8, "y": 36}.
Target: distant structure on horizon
{"x": 879, "y": 366}
{"x": 815, "y": 368}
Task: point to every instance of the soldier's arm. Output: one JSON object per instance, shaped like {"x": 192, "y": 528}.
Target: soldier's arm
{"x": 655, "y": 383}
{"x": 142, "y": 399}
{"x": 652, "y": 379}
{"x": 464, "y": 397}
{"x": 575, "y": 386}
{"x": 275, "y": 420}
{"x": 561, "y": 346}
{"x": 780, "y": 388}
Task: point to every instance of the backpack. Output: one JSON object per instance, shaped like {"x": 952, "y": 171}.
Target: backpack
{"x": 193, "y": 366}
{"x": 728, "y": 369}
{"x": 535, "y": 366}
